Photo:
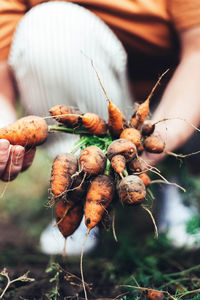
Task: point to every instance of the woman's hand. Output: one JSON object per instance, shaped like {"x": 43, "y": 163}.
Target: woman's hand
{"x": 13, "y": 160}
{"x": 180, "y": 103}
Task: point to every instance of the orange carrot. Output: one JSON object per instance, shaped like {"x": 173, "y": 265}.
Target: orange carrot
{"x": 118, "y": 163}
{"x": 123, "y": 147}
{"x": 29, "y": 132}
{"x": 67, "y": 111}
{"x": 155, "y": 295}
{"x": 132, "y": 135}
{"x": 71, "y": 216}
{"x": 116, "y": 120}
{"x": 94, "y": 124}
{"x": 142, "y": 111}
{"x": 64, "y": 166}
{"x": 92, "y": 160}
{"x": 131, "y": 190}
{"x": 145, "y": 178}
{"x": 99, "y": 196}
{"x": 154, "y": 144}
{"x": 140, "y": 115}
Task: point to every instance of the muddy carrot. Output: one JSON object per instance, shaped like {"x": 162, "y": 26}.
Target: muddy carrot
{"x": 92, "y": 160}
{"x": 131, "y": 190}
{"x": 145, "y": 178}
{"x": 29, "y": 132}
{"x": 64, "y": 114}
{"x": 132, "y": 135}
{"x": 99, "y": 196}
{"x": 148, "y": 128}
{"x": 154, "y": 144}
{"x": 118, "y": 163}
{"x": 123, "y": 147}
{"x": 64, "y": 166}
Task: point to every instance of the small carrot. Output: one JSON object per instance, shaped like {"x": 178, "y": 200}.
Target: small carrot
{"x": 94, "y": 124}
{"x": 123, "y": 147}
{"x": 70, "y": 216}
{"x": 140, "y": 115}
{"x": 64, "y": 114}
{"x": 155, "y": 295}
{"x": 64, "y": 166}
{"x": 118, "y": 163}
{"x": 92, "y": 160}
{"x": 99, "y": 196}
{"x": 131, "y": 190}
{"x": 154, "y": 144}
{"x": 145, "y": 178}
{"x": 132, "y": 135}
{"x": 142, "y": 111}
{"x": 135, "y": 165}
{"x": 28, "y": 131}
{"x": 116, "y": 120}
{"x": 148, "y": 128}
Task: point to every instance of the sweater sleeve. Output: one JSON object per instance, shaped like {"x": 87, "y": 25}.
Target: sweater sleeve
{"x": 11, "y": 11}
{"x": 184, "y": 14}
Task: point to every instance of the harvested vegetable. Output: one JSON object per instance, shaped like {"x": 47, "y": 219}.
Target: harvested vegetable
{"x": 99, "y": 196}
{"x": 64, "y": 114}
{"x": 92, "y": 160}
{"x": 140, "y": 115}
{"x": 123, "y": 147}
{"x": 131, "y": 190}
{"x": 154, "y": 144}
{"x": 28, "y": 132}
{"x": 145, "y": 178}
{"x": 94, "y": 124}
{"x": 148, "y": 128}
{"x": 155, "y": 295}
{"x": 135, "y": 165}
{"x": 118, "y": 163}
{"x": 116, "y": 120}
{"x": 132, "y": 135}
{"x": 64, "y": 166}
{"x": 71, "y": 216}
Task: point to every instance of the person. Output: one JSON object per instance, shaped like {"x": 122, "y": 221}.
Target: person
{"x": 44, "y": 51}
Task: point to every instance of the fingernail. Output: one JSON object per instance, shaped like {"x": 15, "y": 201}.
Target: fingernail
{"x": 19, "y": 148}
{"x": 4, "y": 144}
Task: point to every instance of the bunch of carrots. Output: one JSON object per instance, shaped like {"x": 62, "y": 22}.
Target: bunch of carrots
{"x": 108, "y": 165}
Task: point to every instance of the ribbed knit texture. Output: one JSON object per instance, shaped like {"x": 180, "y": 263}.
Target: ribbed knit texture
{"x": 48, "y": 56}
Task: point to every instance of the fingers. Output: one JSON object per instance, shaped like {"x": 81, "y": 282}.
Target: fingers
{"x": 13, "y": 160}
{"x": 151, "y": 159}
{"x": 28, "y": 158}
{"x": 4, "y": 154}
{"x": 14, "y": 163}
